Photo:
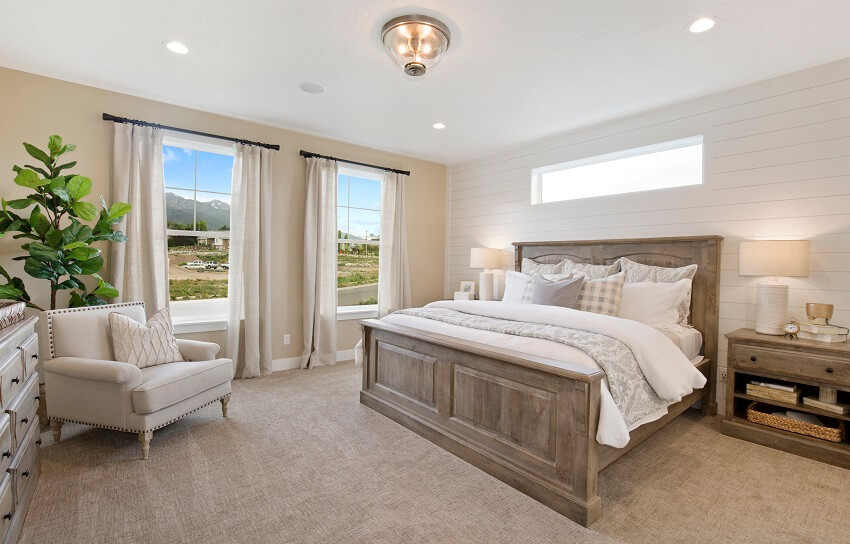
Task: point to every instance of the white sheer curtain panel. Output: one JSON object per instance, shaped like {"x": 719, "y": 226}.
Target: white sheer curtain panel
{"x": 320, "y": 249}
{"x": 139, "y": 266}
{"x": 393, "y": 274}
{"x": 249, "y": 316}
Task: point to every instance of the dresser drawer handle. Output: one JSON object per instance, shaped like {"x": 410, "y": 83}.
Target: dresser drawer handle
{"x": 829, "y": 370}
{"x": 24, "y": 419}
{"x": 37, "y": 397}
{"x": 35, "y": 355}
{"x": 7, "y": 453}
{"x": 16, "y": 380}
{"x": 25, "y": 474}
{"x": 8, "y": 516}
{"x": 38, "y": 442}
{"x": 754, "y": 358}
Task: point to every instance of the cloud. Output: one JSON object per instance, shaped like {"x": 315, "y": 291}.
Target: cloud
{"x": 168, "y": 155}
{"x": 187, "y": 152}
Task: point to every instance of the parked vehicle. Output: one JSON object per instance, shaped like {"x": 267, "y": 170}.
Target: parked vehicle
{"x": 195, "y": 265}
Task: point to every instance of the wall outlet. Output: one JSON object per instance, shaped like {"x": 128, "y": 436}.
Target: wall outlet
{"x": 722, "y": 373}
{"x": 286, "y": 339}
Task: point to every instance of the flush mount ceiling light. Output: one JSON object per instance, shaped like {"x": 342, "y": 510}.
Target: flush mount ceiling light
{"x": 702, "y": 24}
{"x": 311, "y": 88}
{"x": 439, "y": 126}
{"x": 176, "y": 47}
{"x": 415, "y": 42}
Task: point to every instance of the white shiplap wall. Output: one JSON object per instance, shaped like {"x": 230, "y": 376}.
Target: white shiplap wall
{"x": 777, "y": 165}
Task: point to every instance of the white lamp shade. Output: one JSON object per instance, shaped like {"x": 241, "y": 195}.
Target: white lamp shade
{"x": 774, "y": 258}
{"x": 485, "y": 257}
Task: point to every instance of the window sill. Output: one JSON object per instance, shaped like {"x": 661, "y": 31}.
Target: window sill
{"x": 205, "y": 323}
{"x": 346, "y": 313}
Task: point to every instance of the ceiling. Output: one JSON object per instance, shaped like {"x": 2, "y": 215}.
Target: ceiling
{"x": 516, "y": 70}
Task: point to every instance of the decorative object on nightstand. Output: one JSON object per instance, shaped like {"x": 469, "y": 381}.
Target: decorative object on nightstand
{"x": 464, "y": 295}
{"x": 791, "y": 329}
{"x": 819, "y": 314}
{"x": 773, "y": 258}
{"x": 490, "y": 260}
{"x": 468, "y": 287}
{"x": 818, "y": 372}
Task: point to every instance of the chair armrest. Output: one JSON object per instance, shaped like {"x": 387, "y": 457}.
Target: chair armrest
{"x": 194, "y": 350}
{"x": 95, "y": 370}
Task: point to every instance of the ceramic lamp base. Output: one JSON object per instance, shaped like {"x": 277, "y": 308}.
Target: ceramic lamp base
{"x": 485, "y": 286}
{"x": 772, "y": 308}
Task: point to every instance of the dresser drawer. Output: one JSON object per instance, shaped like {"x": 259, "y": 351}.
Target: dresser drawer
{"x": 11, "y": 379}
{"x": 23, "y": 410}
{"x": 5, "y": 442}
{"x": 29, "y": 354}
{"x": 792, "y": 363}
{"x": 24, "y": 467}
{"x": 7, "y": 504}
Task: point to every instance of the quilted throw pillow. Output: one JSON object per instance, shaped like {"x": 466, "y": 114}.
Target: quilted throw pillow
{"x": 591, "y": 271}
{"x": 601, "y": 296}
{"x": 637, "y": 272}
{"x": 144, "y": 345}
{"x": 533, "y": 267}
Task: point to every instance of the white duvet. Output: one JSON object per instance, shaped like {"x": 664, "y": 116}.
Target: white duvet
{"x": 664, "y": 366}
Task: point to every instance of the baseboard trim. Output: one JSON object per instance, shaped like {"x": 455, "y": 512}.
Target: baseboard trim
{"x": 291, "y": 363}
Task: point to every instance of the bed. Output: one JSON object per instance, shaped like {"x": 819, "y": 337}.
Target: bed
{"x": 532, "y": 421}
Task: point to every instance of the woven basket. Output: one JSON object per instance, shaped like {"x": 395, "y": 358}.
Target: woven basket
{"x": 833, "y": 434}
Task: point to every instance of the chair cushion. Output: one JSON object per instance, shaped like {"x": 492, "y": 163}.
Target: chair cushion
{"x": 164, "y": 385}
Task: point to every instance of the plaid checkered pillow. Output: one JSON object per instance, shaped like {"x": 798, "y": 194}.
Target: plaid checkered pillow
{"x": 601, "y": 296}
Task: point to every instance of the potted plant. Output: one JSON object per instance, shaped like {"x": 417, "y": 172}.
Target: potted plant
{"x": 58, "y": 244}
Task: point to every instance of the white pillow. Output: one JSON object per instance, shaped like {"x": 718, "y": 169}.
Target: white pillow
{"x": 653, "y": 303}
{"x": 519, "y": 287}
{"x": 144, "y": 345}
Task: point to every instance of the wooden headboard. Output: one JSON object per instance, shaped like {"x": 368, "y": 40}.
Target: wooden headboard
{"x": 704, "y": 251}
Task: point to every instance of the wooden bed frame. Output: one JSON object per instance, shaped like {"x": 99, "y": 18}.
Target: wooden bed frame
{"x": 530, "y": 421}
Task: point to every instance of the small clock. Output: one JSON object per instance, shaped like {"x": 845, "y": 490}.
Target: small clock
{"x": 791, "y": 329}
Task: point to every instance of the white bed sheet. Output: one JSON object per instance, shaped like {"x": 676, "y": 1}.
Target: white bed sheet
{"x": 688, "y": 339}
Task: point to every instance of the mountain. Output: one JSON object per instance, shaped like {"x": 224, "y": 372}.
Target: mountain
{"x": 179, "y": 210}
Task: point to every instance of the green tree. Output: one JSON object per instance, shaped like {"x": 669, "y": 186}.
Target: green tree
{"x": 60, "y": 245}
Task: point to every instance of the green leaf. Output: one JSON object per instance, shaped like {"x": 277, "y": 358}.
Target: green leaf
{"x": 9, "y": 292}
{"x": 85, "y": 210}
{"x": 65, "y": 166}
{"x": 39, "y": 222}
{"x": 77, "y": 301}
{"x": 72, "y": 283}
{"x": 54, "y": 144}
{"x": 19, "y": 203}
{"x": 73, "y": 245}
{"x": 54, "y": 238}
{"x": 90, "y": 266}
{"x": 105, "y": 290}
{"x": 83, "y": 253}
{"x": 41, "y": 171}
{"x": 114, "y": 236}
{"x": 69, "y": 147}
{"x": 5, "y": 274}
{"x": 78, "y": 187}
{"x": 37, "y": 154}
{"x": 38, "y": 269}
{"x": 73, "y": 268}
{"x": 118, "y": 210}
{"x": 26, "y": 235}
{"x": 28, "y": 178}
{"x": 44, "y": 253}
{"x": 76, "y": 232}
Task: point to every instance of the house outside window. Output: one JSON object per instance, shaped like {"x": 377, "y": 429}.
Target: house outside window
{"x": 198, "y": 177}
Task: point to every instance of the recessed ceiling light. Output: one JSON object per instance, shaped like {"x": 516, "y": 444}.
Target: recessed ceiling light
{"x": 311, "y": 88}
{"x": 439, "y": 126}
{"x": 702, "y": 24}
{"x": 176, "y": 47}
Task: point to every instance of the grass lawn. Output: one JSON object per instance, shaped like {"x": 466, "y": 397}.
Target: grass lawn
{"x": 197, "y": 289}
{"x": 356, "y": 269}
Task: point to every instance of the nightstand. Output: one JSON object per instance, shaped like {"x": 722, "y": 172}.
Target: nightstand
{"x": 805, "y": 363}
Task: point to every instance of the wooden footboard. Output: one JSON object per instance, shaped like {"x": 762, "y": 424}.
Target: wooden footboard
{"x": 530, "y": 422}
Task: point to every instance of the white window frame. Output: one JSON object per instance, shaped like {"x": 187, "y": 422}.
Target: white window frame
{"x": 360, "y": 311}
{"x": 191, "y": 316}
{"x": 537, "y": 173}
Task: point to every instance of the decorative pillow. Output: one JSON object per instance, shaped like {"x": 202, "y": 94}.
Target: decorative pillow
{"x": 637, "y": 272}
{"x": 519, "y": 287}
{"x": 601, "y": 296}
{"x": 592, "y": 271}
{"x": 653, "y": 303}
{"x": 532, "y": 267}
{"x": 144, "y": 345}
{"x": 562, "y": 293}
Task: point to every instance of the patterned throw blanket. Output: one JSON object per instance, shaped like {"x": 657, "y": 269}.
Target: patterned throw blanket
{"x": 633, "y": 395}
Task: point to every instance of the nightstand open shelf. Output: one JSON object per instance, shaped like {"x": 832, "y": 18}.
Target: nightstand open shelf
{"x": 809, "y": 365}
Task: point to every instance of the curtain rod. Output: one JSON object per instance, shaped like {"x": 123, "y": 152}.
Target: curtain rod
{"x": 108, "y": 117}
{"x": 307, "y": 154}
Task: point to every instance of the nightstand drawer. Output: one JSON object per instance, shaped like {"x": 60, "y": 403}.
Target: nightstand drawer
{"x": 792, "y": 363}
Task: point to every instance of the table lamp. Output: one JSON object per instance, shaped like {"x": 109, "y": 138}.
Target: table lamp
{"x": 490, "y": 260}
{"x": 773, "y": 258}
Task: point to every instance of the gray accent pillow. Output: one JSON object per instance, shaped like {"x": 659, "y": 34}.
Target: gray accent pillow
{"x": 637, "y": 272}
{"x": 562, "y": 293}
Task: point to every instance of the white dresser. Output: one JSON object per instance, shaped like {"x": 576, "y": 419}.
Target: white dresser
{"x": 20, "y": 438}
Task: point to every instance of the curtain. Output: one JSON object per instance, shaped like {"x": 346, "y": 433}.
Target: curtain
{"x": 139, "y": 266}
{"x": 320, "y": 248}
{"x": 249, "y": 316}
{"x": 393, "y": 274}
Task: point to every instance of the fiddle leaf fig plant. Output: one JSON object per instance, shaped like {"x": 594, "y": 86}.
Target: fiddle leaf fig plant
{"x": 52, "y": 221}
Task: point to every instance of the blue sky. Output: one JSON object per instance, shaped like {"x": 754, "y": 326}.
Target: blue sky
{"x": 359, "y": 193}
{"x": 215, "y": 172}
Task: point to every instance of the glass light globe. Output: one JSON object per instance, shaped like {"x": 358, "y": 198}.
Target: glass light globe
{"x": 415, "y": 42}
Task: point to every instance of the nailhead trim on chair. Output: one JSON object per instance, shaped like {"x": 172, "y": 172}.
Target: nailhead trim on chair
{"x": 51, "y": 313}
{"x": 227, "y": 396}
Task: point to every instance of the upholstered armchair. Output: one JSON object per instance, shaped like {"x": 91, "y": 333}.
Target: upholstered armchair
{"x": 84, "y": 384}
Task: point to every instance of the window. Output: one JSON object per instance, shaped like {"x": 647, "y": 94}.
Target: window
{"x": 670, "y": 164}
{"x": 197, "y": 207}
{"x": 358, "y": 241}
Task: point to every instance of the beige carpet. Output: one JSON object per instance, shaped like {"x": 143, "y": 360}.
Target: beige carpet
{"x": 300, "y": 460}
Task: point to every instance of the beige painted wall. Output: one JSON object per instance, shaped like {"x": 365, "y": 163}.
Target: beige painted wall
{"x": 34, "y": 107}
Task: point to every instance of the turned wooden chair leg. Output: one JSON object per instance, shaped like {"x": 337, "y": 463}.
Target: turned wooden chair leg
{"x": 56, "y": 427}
{"x": 224, "y": 401}
{"x": 145, "y": 439}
